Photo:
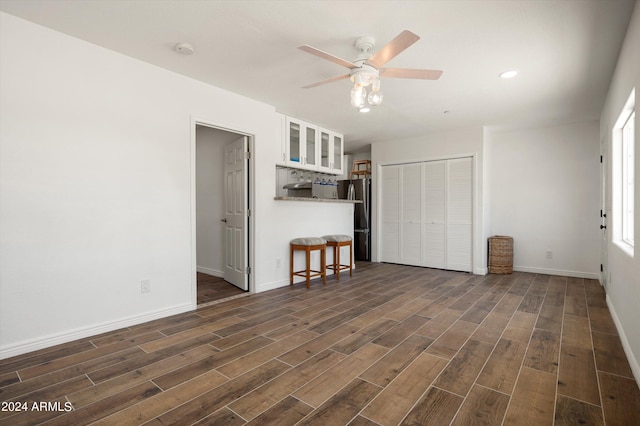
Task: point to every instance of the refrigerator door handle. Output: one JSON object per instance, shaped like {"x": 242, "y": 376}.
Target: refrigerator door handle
{"x": 365, "y": 201}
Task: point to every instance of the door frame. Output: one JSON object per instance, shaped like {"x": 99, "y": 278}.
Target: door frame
{"x": 604, "y": 215}
{"x": 250, "y": 193}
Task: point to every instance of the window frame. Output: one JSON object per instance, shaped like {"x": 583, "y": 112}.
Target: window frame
{"x": 623, "y": 174}
{"x": 628, "y": 159}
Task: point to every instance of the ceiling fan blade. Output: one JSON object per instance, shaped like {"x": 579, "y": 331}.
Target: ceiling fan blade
{"x": 328, "y": 56}
{"x": 331, "y": 80}
{"x": 393, "y": 48}
{"x": 410, "y": 73}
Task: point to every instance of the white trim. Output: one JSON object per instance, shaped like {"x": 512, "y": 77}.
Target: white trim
{"x": 481, "y": 271}
{"x": 427, "y": 159}
{"x": 560, "y": 272}
{"x": 625, "y": 247}
{"x": 633, "y": 362}
{"x": 273, "y": 285}
{"x": 209, "y": 271}
{"x": 93, "y": 330}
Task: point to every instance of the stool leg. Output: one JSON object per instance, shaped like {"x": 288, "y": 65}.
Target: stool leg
{"x": 336, "y": 260}
{"x": 323, "y": 264}
{"x": 308, "y": 253}
{"x": 290, "y": 265}
{"x": 350, "y": 258}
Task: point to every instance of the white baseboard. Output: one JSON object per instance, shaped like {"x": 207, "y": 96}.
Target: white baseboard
{"x": 272, "y": 285}
{"x": 633, "y": 362}
{"x": 79, "y": 333}
{"x": 210, "y": 271}
{"x": 283, "y": 283}
{"x": 563, "y": 273}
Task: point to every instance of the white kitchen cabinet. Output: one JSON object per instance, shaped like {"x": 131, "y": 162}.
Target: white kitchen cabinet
{"x": 281, "y": 132}
{"x": 306, "y": 146}
{"x": 427, "y": 214}
{"x": 301, "y": 144}
{"x": 331, "y": 152}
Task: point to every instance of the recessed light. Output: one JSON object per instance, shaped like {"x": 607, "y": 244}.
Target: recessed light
{"x": 364, "y": 110}
{"x": 508, "y": 74}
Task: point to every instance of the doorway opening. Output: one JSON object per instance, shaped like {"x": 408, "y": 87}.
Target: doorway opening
{"x": 221, "y": 198}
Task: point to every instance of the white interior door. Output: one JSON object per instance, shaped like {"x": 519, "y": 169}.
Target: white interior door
{"x": 604, "y": 257}
{"x": 236, "y": 217}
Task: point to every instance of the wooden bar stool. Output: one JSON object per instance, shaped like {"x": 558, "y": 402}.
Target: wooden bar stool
{"x": 337, "y": 242}
{"x": 309, "y": 244}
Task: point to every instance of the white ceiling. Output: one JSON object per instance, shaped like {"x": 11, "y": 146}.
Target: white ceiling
{"x": 565, "y": 51}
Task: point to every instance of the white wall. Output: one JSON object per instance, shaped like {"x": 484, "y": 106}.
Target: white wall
{"x": 97, "y": 184}
{"x": 544, "y": 186}
{"x": 623, "y": 286}
{"x": 461, "y": 142}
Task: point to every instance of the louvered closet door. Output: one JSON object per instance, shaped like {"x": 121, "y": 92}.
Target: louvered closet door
{"x": 390, "y": 214}
{"x": 459, "y": 214}
{"x": 411, "y": 214}
{"x": 434, "y": 192}
{"x": 426, "y": 214}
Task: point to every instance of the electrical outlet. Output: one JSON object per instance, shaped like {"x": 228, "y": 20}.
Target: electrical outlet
{"x": 145, "y": 286}
{"x": 549, "y": 254}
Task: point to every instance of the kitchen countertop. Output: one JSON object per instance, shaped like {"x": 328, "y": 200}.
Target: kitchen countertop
{"x": 321, "y": 200}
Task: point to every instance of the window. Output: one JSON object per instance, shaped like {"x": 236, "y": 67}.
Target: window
{"x": 624, "y": 176}
{"x": 627, "y": 178}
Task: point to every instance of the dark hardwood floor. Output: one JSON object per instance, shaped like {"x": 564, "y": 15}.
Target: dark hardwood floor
{"x": 213, "y": 289}
{"x": 391, "y": 345}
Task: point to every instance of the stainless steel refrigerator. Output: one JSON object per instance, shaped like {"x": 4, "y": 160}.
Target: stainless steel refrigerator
{"x": 361, "y": 214}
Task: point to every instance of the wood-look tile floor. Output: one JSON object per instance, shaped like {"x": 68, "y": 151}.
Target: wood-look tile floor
{"x": 391, "y": 345}
{"x": 211, "y": 289}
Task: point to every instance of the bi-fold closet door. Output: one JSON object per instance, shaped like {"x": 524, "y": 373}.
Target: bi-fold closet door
{"x": 426, "y": 214}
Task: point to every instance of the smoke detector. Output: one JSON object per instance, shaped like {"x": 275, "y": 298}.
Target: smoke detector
{"x": 184, "y": 48}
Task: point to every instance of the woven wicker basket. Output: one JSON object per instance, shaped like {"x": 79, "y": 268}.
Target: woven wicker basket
{"x": 500, "y": 255}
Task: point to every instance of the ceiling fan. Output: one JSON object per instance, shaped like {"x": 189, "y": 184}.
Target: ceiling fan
{"x": 367, "y": 68}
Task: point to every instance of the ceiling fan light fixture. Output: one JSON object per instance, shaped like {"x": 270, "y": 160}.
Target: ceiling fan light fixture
{"x": 358, "y": 96}
{"x": 367, "y": 68}
{"x": 375, "y": 97}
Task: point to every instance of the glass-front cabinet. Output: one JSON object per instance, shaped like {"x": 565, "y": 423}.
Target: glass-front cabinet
{"x": 306, "y": 146}
{"x": 325, "y": 160}
{"x": 338, "y": 150}
{"x": 301, "y": 144}
{"x": 331, "y": 148}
